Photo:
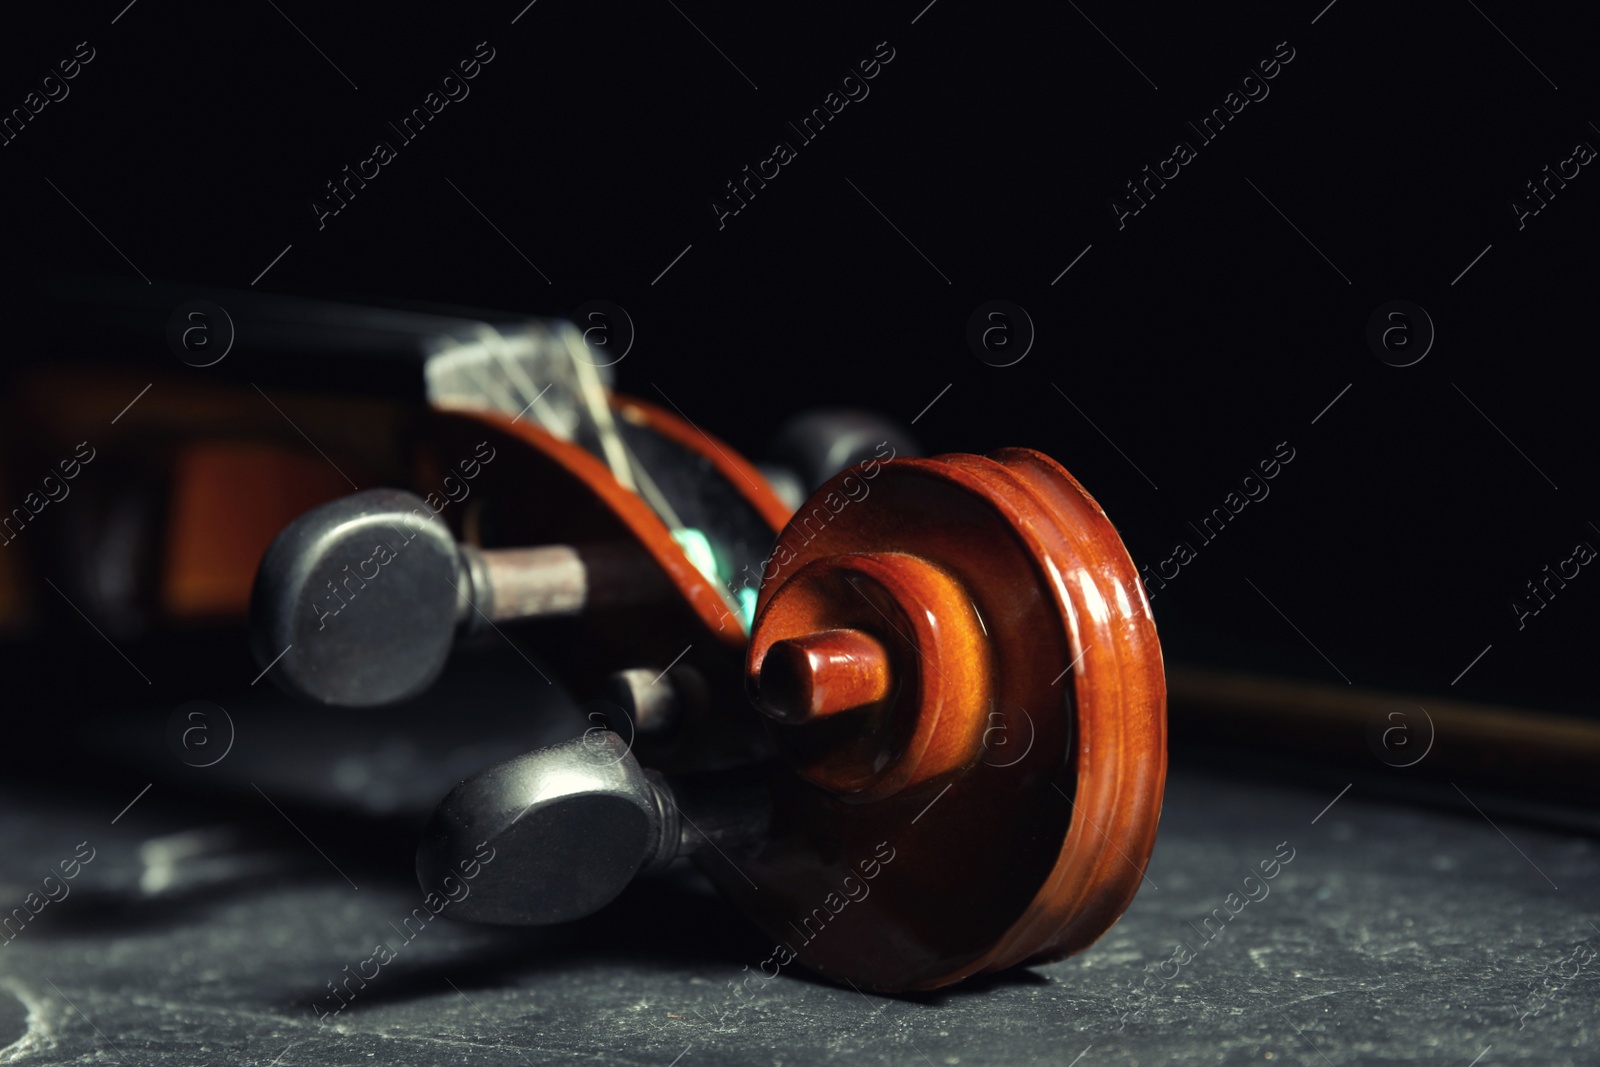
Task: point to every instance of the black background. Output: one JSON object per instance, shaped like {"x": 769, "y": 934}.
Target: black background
{"x": 1196, "y": 338}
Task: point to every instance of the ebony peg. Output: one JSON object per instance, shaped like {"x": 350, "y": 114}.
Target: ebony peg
{"x": 358, "y": 602}
{"x": 814, "y": 446}
{"x": 569, "y": 827}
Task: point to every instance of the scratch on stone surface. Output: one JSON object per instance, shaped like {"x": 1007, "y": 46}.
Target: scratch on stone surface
{"x": 227, "y": 1011}
{"x": 39, "y": 1037}
{"x": 1316, "y": 996}
{"x": 340, "y": 1029}
{"x": 456, "y": 1043}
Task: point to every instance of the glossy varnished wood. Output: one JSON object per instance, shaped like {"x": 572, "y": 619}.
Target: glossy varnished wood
{"x": 544, "y": 490}
{"x": 822, "y": 673}
{"x": 1013, "y": 772}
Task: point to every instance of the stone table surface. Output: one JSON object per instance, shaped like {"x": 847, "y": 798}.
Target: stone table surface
{"x": 222, "y": 906}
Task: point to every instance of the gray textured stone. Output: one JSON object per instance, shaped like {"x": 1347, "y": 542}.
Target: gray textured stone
{"x": 1395, "y": 935}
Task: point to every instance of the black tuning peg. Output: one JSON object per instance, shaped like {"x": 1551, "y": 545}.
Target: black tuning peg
{"x": 814, "y": 446}
{"x": 556, "y": 834}
{"x": 359, "y": 601}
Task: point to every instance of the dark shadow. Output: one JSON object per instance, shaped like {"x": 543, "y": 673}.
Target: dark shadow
{"x": 666, "y": 922}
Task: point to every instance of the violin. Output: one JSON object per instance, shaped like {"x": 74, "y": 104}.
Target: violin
{"x": 908, "y": 714}
{"x": 818, "y": 701}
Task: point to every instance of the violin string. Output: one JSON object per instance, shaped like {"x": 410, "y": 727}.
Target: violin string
{"x": 594, "y": 400}
{"x": 493, "y": 391}
{"x": 495, "y": 342}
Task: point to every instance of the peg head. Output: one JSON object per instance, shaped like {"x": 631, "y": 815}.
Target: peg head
{"x": 356, "y": 602}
